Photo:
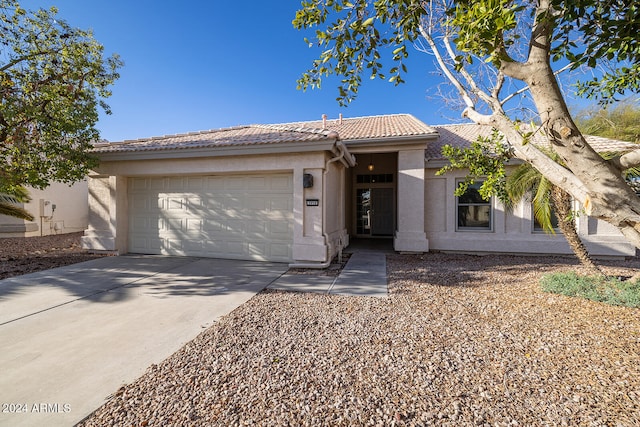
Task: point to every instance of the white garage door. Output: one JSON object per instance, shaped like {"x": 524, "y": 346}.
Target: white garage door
{"x": 234, "y": 216}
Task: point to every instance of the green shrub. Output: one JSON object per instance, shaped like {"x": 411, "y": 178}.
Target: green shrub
{"x": 610, "y": 290}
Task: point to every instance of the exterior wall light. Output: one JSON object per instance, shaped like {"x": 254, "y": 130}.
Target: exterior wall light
{"x": 307, "y": 180}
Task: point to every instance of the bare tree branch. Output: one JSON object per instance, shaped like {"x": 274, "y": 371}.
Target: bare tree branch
{"x": 627, "y": 160}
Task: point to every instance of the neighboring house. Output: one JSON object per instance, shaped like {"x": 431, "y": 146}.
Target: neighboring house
{"x": 298, "y": 192}
{"x": 58, "y": 209}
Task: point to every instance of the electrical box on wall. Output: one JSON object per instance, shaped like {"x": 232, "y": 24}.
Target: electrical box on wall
{"x": 46, "y": 208}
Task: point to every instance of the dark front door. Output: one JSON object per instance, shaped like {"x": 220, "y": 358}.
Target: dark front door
{"x": 375, "y": 210}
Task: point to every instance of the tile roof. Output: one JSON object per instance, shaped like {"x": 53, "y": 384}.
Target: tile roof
{"x": 371, "y": 127}
{"x": 236, "y": 136}
{"x": 462, "y": 135}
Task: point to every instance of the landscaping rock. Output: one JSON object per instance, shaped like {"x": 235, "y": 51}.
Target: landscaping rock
{"x": 461, "y": 340}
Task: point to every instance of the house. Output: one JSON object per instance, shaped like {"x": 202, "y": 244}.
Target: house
{"x": 298, "y": 192}
{"x": 58, "y": 209}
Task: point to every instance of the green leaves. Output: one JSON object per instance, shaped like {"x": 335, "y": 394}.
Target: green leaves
{"x": 483, "y": 28}
{"x": 609, "y": 37}
{"x": 10, "y": 198}
{"x": 52, "y": 79}
{"x": 370, "y": 38}
{"x": 354, "y": 44}
{"x": 485, "y": 158}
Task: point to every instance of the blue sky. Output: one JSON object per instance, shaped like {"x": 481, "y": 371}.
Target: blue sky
{"x": 209, "y": 64}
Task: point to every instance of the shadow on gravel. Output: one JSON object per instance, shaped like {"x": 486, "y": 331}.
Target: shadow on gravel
{"x": 459, "y": 270}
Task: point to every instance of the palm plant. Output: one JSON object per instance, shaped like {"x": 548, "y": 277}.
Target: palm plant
{"x": 10, "y": 198}
{"x": 547, "y": 200}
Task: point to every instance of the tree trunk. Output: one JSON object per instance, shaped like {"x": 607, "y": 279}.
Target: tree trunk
{"x": 607, "y": 196}
{"x": 567, "y": 224}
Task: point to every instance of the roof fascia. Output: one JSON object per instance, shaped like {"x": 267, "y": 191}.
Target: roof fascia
{"x": 239, "y": 150}
{"x": 380, "y": 145}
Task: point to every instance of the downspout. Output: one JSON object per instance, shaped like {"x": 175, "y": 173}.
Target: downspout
{"x": 342, "y": 153}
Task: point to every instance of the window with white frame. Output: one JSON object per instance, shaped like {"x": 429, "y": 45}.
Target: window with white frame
{"x": 473, "y": 212}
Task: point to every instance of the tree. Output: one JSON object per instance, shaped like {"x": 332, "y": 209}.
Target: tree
{"x": 487, "y": 156}
{"x": 53, "y": 78}
{"x": 548, "y": 200}
{"x": 493, "y": 52}
{"x": 620, "y": 122}
{"x": 9, "y": 200}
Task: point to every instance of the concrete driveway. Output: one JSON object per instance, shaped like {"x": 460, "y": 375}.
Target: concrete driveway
{"x": 72, "y": 336}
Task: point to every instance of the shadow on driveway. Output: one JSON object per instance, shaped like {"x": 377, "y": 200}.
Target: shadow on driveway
{"x": 73, "y": 335}
{"x": 114, "y": 279}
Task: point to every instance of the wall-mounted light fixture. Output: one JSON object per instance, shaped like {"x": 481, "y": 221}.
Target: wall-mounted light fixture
{"x": 307, "y": 180}
{"x": 370, "y": 167}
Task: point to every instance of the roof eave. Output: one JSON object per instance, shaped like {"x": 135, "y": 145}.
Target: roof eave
{"x": 225, "y": 151}
{"x": 393, "y": 143}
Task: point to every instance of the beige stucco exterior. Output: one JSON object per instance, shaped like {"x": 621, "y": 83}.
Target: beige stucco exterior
{"x": 319, "y": 232}
{"x": 511, "y": 232}
{"x": 375, "y": 183}
{"x": 70, "y": 214}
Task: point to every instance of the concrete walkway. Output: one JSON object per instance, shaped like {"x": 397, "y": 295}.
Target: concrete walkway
{"x": 364, "y": 275}
{"x": 72, "y": 336}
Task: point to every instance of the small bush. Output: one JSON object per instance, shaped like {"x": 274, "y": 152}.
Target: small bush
{"x": 610, "y": 290}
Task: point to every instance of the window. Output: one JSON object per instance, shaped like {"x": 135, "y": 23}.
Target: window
{"x": 474, "y": 213}
{"x": 380, "y": 178}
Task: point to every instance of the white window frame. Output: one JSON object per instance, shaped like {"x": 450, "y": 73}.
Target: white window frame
{"x": 489, "y": 203}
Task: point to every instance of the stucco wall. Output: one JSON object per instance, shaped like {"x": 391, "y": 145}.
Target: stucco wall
{"x": 512, "y": 232}
{"x": 70, "y": 214}
{"x": 109, "y": 221}
{"x": 335, "y": 214}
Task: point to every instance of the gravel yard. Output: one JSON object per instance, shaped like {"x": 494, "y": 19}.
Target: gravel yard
{"x": 27, "y": 255}
{"x": 462, "y": 340}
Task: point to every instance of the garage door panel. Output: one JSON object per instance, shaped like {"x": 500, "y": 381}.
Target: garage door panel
{"x": 257, "y": 203}
{"x": 213, "y": 226}
{"x": 256, "y": 227}
{"x": 242, "y": 217}
{"x": 280, "y": 204}
{"x": 215, "y": 183}
{"x": 196, "y": 184}
{"x": 236, "y": 183}
{"x": 139, "y": 183}
{"x": 281, "y": 183}
{"x": 280, "y": 250}
{"x": 147, "y": 245}
{"x": 257, "y": 183}
{"x": 194, "y": 224}
{"x": 175, "y": 184}
{"x": 235, "y": 247}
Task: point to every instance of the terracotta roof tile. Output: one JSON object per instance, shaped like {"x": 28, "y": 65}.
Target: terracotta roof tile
{"x": 236, "y": 136}
{"x": 462, "y": 135}
{"x": 372, "y": 127}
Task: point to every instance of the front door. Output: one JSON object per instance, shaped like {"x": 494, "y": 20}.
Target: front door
{"x": 375, "y": 210}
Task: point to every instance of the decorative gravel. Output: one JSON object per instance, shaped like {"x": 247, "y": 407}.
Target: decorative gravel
{"x": 20, "y": 255}
{"x": 462, "y": 340}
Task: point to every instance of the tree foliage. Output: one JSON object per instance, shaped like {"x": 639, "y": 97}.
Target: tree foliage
{"x": 53, "y": 79}
{"x": 495, "y": 52}
{"x": 359, "y": 37}
{"x": 486, "y": 158}
{"x": 10, "y": 200}
{"x": 548, "y": 200}
{"x": 620, "y": 121}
